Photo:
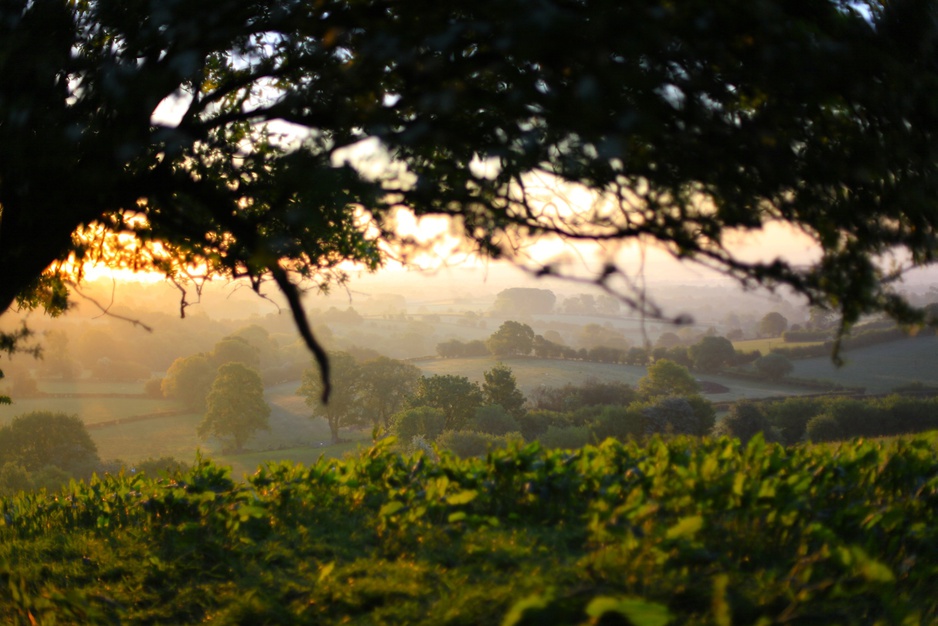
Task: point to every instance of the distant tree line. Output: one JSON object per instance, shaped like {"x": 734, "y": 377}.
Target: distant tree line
{"x": 710, "y": 354}
{"x": 801, "y": 419}
{"x": 468, "y": 418}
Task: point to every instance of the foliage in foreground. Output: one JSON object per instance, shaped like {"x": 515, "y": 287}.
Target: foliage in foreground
{"x": 678, "y": 531}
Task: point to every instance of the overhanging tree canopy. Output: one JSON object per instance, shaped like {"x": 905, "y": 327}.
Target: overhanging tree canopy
{"x": 689, "y": 121}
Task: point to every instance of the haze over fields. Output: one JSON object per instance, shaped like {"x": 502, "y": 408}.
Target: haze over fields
{"x": 106, "y": 367}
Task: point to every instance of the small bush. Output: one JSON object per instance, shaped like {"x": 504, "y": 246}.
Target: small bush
{"x": 13, "y": 479}
{"x": 618, "y": 422}
{"x": 824, "y": 427}
{"x": 569, "y": 438}
{"x": 535, "y": 423}
{"x": 744, "y": 421}
{"x": 774, "y": 366}
{"x": 469, "y": 443}
{"x": 672, "y": 416}
{"x": 424, "y": 421}
{"x": 163, "y": 465}
{"x": 790, "y": 417}
{"x": 494, "y": 420}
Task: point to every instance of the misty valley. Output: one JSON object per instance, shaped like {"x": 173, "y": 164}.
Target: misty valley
{"x": 546, "y": 429}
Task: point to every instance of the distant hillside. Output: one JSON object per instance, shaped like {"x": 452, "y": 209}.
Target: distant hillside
{"x": 879, "y": 368}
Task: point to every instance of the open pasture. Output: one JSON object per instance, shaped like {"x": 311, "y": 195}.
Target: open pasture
{"x": 764, "y": 346}
{"x": 880, "y": 368}
{"x": 91, "y": 410}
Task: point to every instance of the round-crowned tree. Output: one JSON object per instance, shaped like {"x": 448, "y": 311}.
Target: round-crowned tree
{"x": 511, "y": 339}
{"x": 773, "y": 324}
{"x": 42, "y": 438}
{"x": 664, "y": 378}
{"x": 774, "y": 366}
{"x": 235, "y": 406}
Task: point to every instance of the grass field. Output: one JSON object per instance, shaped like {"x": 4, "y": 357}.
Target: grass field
{"x": 91, "y": 410}
{"x": 764, "y": 346}
{"x": 880, "y": 368}
{"x": 292, "y": 436}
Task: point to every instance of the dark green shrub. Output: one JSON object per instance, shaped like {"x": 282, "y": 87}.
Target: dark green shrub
{"x": 468, "y": 443}
{"x": 744, "y": 421}
{"x": 857, "y": 418}
{"x": 535, "y": 423}
{"x": 13, "y": 479}
{"x": 705, "y": 413}
{"x": 618, "y": 422}
{"x": 672, "y": 416}
{"x": 425, "y": 421}
{"x": 569, "y": 438}
{"x": 790, "y": 417}
{"x": 774, "y": 366}
{"x": 825, "y": 427}
{"x": 163, "y": 465}
{"x": 494, "y": 420}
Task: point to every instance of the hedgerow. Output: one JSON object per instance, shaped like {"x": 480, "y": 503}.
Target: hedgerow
{"x": 681, "y": 531}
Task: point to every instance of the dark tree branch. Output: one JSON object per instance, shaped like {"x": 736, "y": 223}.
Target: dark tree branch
{"x": 292, "y": 294}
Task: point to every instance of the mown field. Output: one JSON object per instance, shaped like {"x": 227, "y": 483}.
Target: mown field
{"x": 670, "y": 532}
{"x": 153, "y": 428}
{"x": 764, "y": 346}
{"x": 880, "y": 368}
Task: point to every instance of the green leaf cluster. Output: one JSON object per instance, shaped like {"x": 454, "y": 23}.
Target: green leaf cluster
{"x": 678, "y": 531}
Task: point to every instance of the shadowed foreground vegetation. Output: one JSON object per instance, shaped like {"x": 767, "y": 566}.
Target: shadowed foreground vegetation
{"x": 677, "y": 531}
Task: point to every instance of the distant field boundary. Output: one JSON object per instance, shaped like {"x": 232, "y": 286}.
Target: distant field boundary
{"x": 126, "y": 396}
{"x": 859, "y": 395}
{"x": 134, "y": 418}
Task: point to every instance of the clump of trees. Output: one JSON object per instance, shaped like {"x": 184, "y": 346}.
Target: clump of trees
{"x": 364, "y": 393}
{"x": 796, "y": 420}
{"x": 45, "y": 449}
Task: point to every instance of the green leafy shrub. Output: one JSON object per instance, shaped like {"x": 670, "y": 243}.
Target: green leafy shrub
{"x": 790, "y": 417}
{"x": 13, "y": 479}
{"x": 744, "y": 421}
{"x": 164, "y": 465}
{"x": 824, "y": 428}
{"x": 567, "y": 438}
{"x": 619, "y": 422}
{"x": 494, "y": 420}
{"x": 422, "y": 421}
{"x": 680, "y": 531}
{"x": 535, "y": 423}
{"x": 469, "y": 443}
{"x": 774, "y": 366}
{"x": 671, "y": 415}
{"x": 41, "y": 438}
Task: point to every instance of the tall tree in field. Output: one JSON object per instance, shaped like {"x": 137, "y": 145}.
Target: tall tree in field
{"x": 457, "y": 396}
{"x": 711, "y": 354}
{"x": 667, "y": 378}
{"x": 773, "y": 324}
{"x": 235, "y": 407}
{"x": 500, "y": 387}
{"x": 188, "y": 380}
{"x": 386, "y": 385}
{"x": 149, "y": 135}
{"x": 346, "y": 404}
{"x": 511, "y": 339}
